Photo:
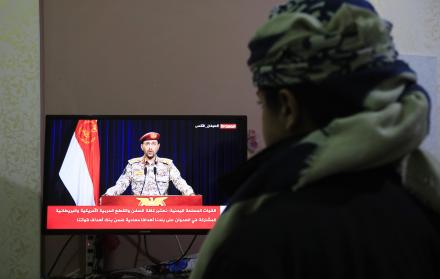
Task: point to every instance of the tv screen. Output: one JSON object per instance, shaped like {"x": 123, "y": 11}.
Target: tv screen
{"x": 139, "y": 173}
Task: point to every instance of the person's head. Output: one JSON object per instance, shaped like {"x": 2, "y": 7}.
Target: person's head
{"x": 150, "y": 144}
{"x": 310, "y": 57}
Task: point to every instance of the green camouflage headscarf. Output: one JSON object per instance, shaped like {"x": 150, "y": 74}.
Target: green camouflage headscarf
{"x": 308, "y": 41}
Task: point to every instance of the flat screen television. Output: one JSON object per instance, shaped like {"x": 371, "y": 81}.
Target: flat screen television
{"x": 86, "y": 155}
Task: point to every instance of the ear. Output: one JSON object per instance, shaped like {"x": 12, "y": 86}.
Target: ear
{"x": 289, "y": 111}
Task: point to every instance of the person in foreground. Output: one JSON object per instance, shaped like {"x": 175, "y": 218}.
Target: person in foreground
{"x": 342, "y": 190}
{"x": 150, "y": 175}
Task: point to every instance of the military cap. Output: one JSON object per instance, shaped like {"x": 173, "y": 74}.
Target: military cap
{"x": 150, "y": 136}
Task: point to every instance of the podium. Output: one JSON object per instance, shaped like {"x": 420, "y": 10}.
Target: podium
{"x": 170, "y": 200}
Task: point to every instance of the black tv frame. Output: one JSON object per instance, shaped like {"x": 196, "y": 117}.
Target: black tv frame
{"x": 241, "y": 120}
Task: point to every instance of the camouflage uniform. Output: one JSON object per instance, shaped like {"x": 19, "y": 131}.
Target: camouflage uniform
{"x": 143, "y": 178}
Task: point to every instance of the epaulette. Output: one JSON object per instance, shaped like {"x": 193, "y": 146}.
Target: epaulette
{"x": 135, "y": 160}
{"x": 165, "y": 161}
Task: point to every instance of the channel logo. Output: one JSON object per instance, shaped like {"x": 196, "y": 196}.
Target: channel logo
{"x": 228, "y": 126}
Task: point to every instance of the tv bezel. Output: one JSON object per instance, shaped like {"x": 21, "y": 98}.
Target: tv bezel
{"x": 242, "y": 119}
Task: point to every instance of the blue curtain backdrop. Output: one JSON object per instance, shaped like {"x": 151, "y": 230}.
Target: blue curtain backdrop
{"x": 201, "y": 154}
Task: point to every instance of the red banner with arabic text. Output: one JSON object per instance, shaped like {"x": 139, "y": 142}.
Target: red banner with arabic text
{"x": 132, "y": 217}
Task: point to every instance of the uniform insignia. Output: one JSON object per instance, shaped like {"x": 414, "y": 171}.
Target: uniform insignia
{"x": 135, "y": 160}
{"x": 165, "y": 161}
{"x": 137, "y": 173}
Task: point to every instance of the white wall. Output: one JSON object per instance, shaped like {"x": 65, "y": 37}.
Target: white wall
{"x": 19, "y": 139}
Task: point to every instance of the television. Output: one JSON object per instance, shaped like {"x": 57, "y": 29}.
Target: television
{"x": 85, "y": 155}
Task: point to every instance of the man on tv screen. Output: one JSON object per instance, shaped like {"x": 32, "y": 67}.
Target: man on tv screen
{"x": 149, "y": 175}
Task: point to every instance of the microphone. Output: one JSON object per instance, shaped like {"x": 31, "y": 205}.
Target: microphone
{"x": 145, "y": 179}
{"x": 155, "y": 180}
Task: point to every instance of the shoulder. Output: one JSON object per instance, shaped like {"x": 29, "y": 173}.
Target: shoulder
{"x": 165, "y": 161}
{"x": 135, "y": 160}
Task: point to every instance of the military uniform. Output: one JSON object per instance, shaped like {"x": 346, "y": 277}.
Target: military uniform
{"x": 150, "y": 179}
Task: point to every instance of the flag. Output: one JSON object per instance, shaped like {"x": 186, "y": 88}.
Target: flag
{"x": 80, "y": 169}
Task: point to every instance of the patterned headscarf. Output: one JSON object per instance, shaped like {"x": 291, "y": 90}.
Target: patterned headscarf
{"x": 312, "y": 41}
{"x": 347, "y": 49}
